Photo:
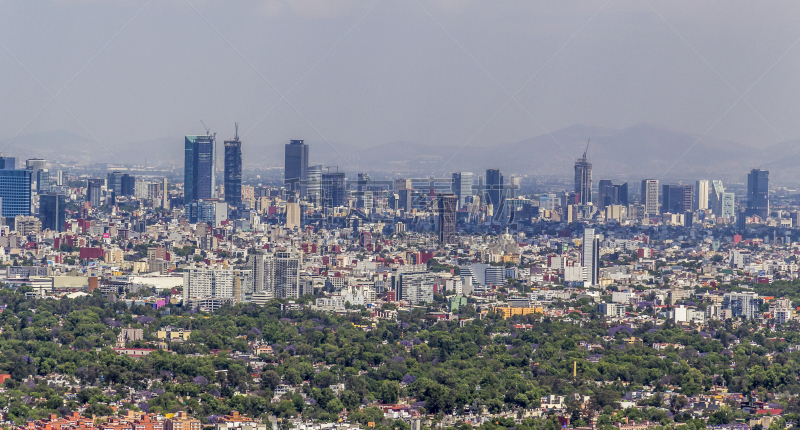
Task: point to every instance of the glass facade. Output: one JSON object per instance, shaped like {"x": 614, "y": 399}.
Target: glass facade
{"x": 199, "y": 176}
{"x": 15, "y": 191}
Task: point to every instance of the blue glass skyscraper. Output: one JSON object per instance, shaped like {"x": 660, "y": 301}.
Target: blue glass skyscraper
{"x": 199, "y": 176}
{"x": 15, "y": 191}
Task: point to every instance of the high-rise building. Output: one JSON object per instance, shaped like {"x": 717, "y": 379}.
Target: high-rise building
{"x": 313, "y": 184}
{"x": 276, "y": 274}
{"x": 8, "y": 163}
{"x": 462, "y": 187}
{"x": 211, "y": 282}
{"x": 415, "y": 287}
{"x": 583, "y": 180}
{"x": 610, "y": 194}
{"x": 650, "y": 196}
{"x": 333, "y": 189}
{"x": 165, "y": 203}
{"x": 199, "y": 174}
{"x": 233, "y": 170}
{"x": 590, "y": 258}
{"x": 295, "y": 165}
{"x": 94, "y": 191}
{"x": 447, "y": 218}
{"x": 52, "y": 211}
{"x": 701, "y": 196}
{"x": 677, "y": 199}
{"x": 758, "y": 193}
{"x": 35, "y": 164}
{"x": 121, "y": 184}
{"x": 15, "y": 192}
{"x": 42, "y": 181}
{"x": 494, "y": 189}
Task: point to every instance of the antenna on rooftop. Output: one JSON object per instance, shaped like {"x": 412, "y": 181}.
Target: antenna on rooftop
{"x": 236, "y": 134}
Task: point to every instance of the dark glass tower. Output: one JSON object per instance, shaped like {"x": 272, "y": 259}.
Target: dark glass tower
{"x": 333, "y": 190}
{"x": 583, "y": 180}
{"x": 122, "y": 184}
{"x": 8, "y": 163}
{"x": 295, "y": 165}
{"x": 15, "y": 192}
{"x": 52, "y": 211}
{"x": 494, "y": 189}
{"x": 199, "y": 175}
{"x": 758, "y": 193}
{"x": 233, "y": 170}
{"x": 447, "y": 218}
{"x": 677, "y": 199}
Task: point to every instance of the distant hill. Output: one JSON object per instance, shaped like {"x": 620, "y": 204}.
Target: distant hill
{"x": 630, "y": 154}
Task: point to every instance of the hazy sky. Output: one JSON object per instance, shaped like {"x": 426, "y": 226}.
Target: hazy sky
{"x": 366, "y": 72}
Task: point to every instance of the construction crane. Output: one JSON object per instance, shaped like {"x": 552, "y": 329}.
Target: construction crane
{"x": 236, "y": 133}
{"x": 587, "y": 148}
{"x": 208, "y": 130}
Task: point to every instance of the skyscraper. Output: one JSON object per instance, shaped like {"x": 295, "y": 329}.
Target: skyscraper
{"x": 333, "y": 190}
{"x": 650, "y": 196}
{"x": 610, "y": 194}
{"x": 15, "y": 192}
{"x": 295, "y": 165}
{"x": 758, "y": 193}
{"x": 590, "y": 258}
{"x": 447, "y": 218}
{"x": 462, "y": 186}
{"x": 583, "y": 180}
{"x": 93, "y": 192}
{"x": 42, "y": 181}
{"x": 122, "y": 184}
{"x": 35, "y": 165}
{"x": 494, "y": 189}
{"x": 52, "y": 211}
{"x": 677, "y": 199}
{"x": 701, "y": 195}
{"x": 313, "y": 184}
{"x": 8, "y": 163}
{"x": 233, "y": 170}
{"x": 199, "y": 175}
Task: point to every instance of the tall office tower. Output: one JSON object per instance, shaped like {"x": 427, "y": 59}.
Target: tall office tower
{"x": 447, "y": 218}
{"x": 295, "y": 165}
{"x": 35, "y": 164}
{"x": 15, "y": 192}
{"x": 701, "y": 196}
{"x": 462, "y": 187}
{"x": 758, "y": 193}
{"x": 494, "y": 189}
{"x": 313, "y": 184}
{"x": 121, "y": 184}
{"x": 42, "y": 181}
{"x": 677, "y": 199}
{"x": 333, "y": 190}
{"x": 61, "y": 178}
{"x": 165, "y": 202}
{"x": 606, "y": 194}
{"x": 590, "y": 259}
{"x": 583, "y": 180}
{"x": 276, "y": 274}
{"x": 93, "y": 191}
{"x": 233, "y": 170}
{"x": 650, "y": 196}
{"x": 8, "y": 163}
{"x": 199, "y": 172}
{"x": 622, "y": 194}
{"x": 52, "y": 211}
{"x": 715, "y": 201}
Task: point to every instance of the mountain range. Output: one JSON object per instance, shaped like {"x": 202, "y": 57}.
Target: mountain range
{"x": 629, "y": 154}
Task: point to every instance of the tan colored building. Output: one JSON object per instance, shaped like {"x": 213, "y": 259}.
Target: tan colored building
{"x": 509, "y": 311}
{"x": 181, "y": 421}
